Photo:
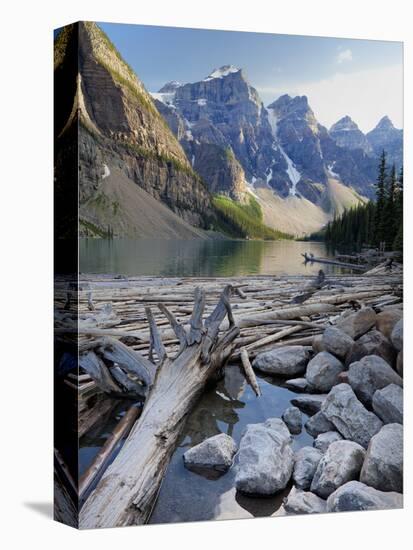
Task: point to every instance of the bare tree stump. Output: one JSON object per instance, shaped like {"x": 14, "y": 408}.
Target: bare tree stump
{"x": 126, "y": 492}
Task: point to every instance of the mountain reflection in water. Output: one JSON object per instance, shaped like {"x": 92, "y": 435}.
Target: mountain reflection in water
{"x": 198, "y": 258}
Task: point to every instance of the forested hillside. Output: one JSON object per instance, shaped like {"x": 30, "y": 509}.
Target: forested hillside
{"x": 377, "y": 223}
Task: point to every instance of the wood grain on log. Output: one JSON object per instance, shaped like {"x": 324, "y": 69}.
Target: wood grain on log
{"x": 126, "y": 491}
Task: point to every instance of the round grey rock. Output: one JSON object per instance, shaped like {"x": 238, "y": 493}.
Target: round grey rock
{"x": 386, "y": 321}
{"x": 318, "y": 343}
{"x": 214, "y": 453}
{"x": 349, "y": 416}
{"x": 296, "y": 384}
{"x": 356, "y": 496}
{"x": 372, "y": 343}
{"x": 265, "y": 459}
{"x": 285, "y": 361}
{"x": 293, "y": 419}
{"x": 323, "y": 441}
{"x": 370, "y": 374}
{"x": 337, "y": 342}
{"x": 397, "y": 335}
{"x": 388, "y": 404}
{"x": 309, "y": 403}
{"x": 383, "y": 465}
{"x": 323, "y": 371}
{"x": 358, "y": 323}
{"x": 318, "y": 424}
{"x": 304, "y": 502}
{"x": 342, "y": 462}
{"x": 305, "y": 465}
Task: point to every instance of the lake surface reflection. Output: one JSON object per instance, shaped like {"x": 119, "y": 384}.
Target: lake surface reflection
{"x": 197, "y": 258}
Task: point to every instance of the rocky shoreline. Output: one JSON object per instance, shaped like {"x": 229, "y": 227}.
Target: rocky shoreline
{"x": 351, "y": 381}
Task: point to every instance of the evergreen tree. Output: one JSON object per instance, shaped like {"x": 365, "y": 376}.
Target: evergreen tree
{"x": 390, "y": 226}
{"x": 398, "y": 213}
{"x": 376, "y": 221}
{"x": 379, "y": 228}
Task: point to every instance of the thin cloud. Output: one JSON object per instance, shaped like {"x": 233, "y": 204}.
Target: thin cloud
{"x": 345, "y": 55}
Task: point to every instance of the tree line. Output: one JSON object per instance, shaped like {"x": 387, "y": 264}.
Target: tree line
{"x": 377, "y": 223}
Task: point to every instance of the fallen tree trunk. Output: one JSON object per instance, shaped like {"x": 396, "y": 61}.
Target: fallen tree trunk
{"x": 119, "y": 431}
{"x": 126, "y": 492}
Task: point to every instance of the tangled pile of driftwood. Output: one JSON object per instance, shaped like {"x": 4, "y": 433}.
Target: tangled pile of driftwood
{"x": 161, "y": 340}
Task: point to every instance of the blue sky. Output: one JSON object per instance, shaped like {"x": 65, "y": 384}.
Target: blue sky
{"x": 361, "y": 78}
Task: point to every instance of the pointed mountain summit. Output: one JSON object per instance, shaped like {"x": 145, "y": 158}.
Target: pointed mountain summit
{"x": 295, "y": 109}
{"x": 344, "y": 124}
{"x": 346, "y": 133}
{"x": 223, "y": 127}
{"x": 388, "y": 138}
{"x": 128, "y": 156}
{"x": 385, "y": 124}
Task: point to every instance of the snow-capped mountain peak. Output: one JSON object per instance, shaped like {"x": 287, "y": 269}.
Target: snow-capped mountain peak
{"x": 225, "y": 70}
{"x": 166, "y": 94}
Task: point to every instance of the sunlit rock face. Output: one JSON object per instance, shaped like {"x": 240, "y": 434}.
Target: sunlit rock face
{"x": 123, "y": 141}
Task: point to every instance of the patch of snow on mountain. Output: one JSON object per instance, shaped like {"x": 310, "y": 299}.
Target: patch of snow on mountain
{"x": 167, "y": 98}
{"x": 223, "y": 71}
{"x": 106, "y": 171}
{"x": 330, "y": 171}
{"x": 189, "y": 136}
{"x": 202, "y": 102}
{"x": 193, "y": 161}
{"x": 269, "y": 176}
{"x": 293, "y": 174}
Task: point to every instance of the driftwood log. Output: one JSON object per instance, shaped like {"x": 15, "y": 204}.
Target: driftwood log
{"x": 123, "y": 426}
{"x": 126, "y": 493}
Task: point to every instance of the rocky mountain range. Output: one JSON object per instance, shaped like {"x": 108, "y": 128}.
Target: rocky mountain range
{"x": 282, "y": 145}
{"x": 130, "y": 162}
{"x": 170, "y": 152}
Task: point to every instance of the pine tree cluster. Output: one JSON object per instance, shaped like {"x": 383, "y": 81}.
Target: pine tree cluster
{"x": 378, "y": 223}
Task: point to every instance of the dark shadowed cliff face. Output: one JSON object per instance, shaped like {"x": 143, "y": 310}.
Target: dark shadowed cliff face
{"x": 120, "y": 129}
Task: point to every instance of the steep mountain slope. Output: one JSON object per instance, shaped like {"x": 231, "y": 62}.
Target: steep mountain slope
{"x": 297, "y": 215}
{"x": 386, "y": 136}
{"x": 225, "y": 111}
{"x": 120, "y": 132}
{"x": 314, "y": 154}
{"x": 132, "y": 212}
{"x": 169, "y": 153}
{"x": 238, "y": 147}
